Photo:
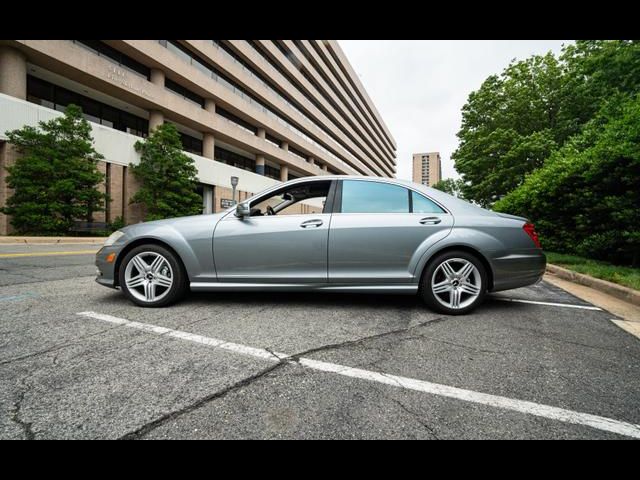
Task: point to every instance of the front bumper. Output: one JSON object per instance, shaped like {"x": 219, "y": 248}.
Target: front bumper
{"x": 105, "y": 274}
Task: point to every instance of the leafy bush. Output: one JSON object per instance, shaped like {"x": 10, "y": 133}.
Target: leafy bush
{"x": 116, "y": 224}
{"x": 586, "y": 198}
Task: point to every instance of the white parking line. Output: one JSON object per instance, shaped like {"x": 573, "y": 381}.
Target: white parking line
{"x": 211, "y": 342}
{"x": 565, "y": 305}
{"x": 522, "y": 406}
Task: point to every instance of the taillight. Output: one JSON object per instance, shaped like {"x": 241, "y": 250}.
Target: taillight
{"x": 531, "y": 231}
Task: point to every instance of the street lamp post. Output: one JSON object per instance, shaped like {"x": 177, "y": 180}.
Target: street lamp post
{"x": 234, "y": 184}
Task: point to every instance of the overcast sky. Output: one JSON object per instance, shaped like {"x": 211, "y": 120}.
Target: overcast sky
{"x": 419, "y": 87}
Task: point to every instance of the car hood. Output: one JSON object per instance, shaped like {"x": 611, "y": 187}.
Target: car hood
{"x": 176, "y": 222}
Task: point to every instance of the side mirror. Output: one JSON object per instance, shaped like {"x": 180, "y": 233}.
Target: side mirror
{"x": 243, "y": 210}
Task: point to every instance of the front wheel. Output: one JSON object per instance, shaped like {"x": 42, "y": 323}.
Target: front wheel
{"x": 152, "y": 276}
{"x": 454, "y": 283}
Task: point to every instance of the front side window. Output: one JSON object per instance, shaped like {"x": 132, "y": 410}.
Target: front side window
{"x": 373, "y": 197}
{"x": 423, "y": 204}
{"x": 300, "y": 199}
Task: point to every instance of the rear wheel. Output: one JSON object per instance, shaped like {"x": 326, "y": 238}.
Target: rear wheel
{"x": 152, "y": 276}
{"x": 454, "y": 283}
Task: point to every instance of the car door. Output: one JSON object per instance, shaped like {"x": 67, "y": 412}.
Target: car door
{"x": 272, "y": 249}
{"x": 379, "y": 231}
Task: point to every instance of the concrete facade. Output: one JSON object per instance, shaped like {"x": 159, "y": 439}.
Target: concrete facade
{"x": 278, "y": 109}
{"x": 427, "y": 168}
{"x": 13, "y": 72}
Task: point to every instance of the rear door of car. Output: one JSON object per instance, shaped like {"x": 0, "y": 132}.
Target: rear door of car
{"x": 379, "y": 230}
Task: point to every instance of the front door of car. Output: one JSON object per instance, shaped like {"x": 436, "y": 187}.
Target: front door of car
{"x": 380, "y": 230}
{"x": 280, "y": 248}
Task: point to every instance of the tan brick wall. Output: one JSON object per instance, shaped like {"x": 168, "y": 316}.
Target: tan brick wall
{"x": 116, "y": 185}
{"x": 102, "y": 188}
{"x": 133, "y": 213}
{"x": 226, "y": 193}
{"x": 300, "y": 209}
{"x": 8, "y": 156}
{"x": 218, "y": 194}
{"x": 242, "y": 195}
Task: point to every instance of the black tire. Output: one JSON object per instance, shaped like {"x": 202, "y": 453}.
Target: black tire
{"x": 425, "y": 282}
{"x": 180, "y": 281}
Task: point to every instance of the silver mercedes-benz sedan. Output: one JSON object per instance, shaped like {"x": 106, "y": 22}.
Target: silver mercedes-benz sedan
{"x": 332, "y": 234}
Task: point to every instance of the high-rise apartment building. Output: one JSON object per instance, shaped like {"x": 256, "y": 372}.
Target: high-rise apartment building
{"x": 427, "y": 168}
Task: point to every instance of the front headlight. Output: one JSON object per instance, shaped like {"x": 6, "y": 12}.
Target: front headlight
{"x": 113, "y": 238}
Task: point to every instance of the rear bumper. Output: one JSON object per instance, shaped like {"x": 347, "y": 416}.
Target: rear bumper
{"x": 518, "y": 269}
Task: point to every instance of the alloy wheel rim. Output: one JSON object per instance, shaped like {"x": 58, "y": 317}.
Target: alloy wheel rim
{"x": 148, "y": 276}
{"x": 456, "y": 283}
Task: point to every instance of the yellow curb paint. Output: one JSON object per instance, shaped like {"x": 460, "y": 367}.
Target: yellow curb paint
{"x": 46, "y": 254}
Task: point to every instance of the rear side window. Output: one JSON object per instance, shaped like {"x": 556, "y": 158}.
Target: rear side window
{"x": 423, "y": 204}
{"x": 373, "y": 197}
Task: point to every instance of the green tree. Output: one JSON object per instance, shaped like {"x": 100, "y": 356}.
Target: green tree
{"x": 450, "y": 186}
{"x": 167, "y": 175}
{"x": 585, "y": 199}
{"x": 510, "y": 126}
{"x": 516, "y": 120}
{"x": 596, "y": 70}
{"x": 55, "y": 178}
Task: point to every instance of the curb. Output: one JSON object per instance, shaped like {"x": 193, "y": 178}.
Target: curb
{"x": 613, "y": 289}
{"x": 8, "y": 240}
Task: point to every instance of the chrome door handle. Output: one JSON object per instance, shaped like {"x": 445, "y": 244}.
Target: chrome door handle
{"x": 430, "y": 221}
{"x": 311, "y": 223}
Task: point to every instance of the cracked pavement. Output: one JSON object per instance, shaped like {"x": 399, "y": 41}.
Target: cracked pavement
{"x": 65, "y": 376}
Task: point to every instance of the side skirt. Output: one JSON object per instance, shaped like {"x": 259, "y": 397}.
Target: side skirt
{"x": 399, "y": 289}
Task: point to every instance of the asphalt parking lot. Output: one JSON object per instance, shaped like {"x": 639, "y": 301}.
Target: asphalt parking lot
{"x": 78, "y": 360}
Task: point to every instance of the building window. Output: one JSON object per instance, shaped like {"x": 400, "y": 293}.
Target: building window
{"x": 297, "y": 153}
{"x": 191, "y": 144}
{"x": 191, "y": 58}
{"x": 237, "y": 120}
{"x": 272, "y": 172}
{"x": 52, "y": 96}
{"x": 272, "y": 140}
{"x": 183, "y": 92}
{"x": 231, "y": 158}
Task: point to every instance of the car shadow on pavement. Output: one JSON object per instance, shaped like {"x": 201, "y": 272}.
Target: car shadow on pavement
{"x": 308, "y": 299}
{"x": 286, "y": 299}
{"x": 311, "y": 300}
